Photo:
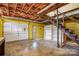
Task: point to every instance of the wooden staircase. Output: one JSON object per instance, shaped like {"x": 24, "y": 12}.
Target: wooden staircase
{"x": 69, "y": 33}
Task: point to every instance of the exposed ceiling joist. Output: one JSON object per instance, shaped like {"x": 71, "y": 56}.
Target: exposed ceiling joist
{"x": 46, "y": 8}
{"x": 7, "y": 10}
{"x": 65, "y": 9}
{"x": 54, "y": 7}
{"x": 30, "y": 8}
{"x": 1, "y": 13}
{"x": 69, "y": 13}
{"x": 23, "y": 7}
{"x": 40, "y": 7}
{"x": 14, "y": 9}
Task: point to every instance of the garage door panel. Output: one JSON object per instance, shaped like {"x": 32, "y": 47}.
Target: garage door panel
{"x": 11, "y": 37}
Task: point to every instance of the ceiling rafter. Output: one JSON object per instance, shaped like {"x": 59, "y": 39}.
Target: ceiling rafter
{"x": 30, "y": 15}
{"x": 15, "y": 9}
{"x": 1, "y": 12}
{"x": 3, "y": 8}
{"x": 23, "y": 7}
{"x": 66, "y": 12}
{"x": 7, "y": 10}
{"x": 40, "y": 6}
{"x": 54, "y": 7}
{"x": 48, "y": 6}
{"x": 30, "y": 8}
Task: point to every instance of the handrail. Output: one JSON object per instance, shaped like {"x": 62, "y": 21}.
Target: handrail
{"x": 71, "y": 36}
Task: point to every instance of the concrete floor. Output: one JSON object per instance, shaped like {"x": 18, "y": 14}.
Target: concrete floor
{"x": 39, "y": 48}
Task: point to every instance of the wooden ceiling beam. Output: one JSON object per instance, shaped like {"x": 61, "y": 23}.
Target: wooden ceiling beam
{"x": 54, "y": 7}
{"x": 8, "y": 9}
{"x": 29, "y": 8}
{"x": 4, "y": 8}
{"x": 41, "y": 6}
{"x": 23, "y": 7}
{"x": 1, "y": 12}
{"x": 45, "y": 8}
{"x": 43, "y": 17}
{"x": 66, "y": 12}
{"x": 15, "y": 9}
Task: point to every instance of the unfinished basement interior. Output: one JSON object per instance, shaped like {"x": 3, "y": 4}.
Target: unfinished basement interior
{"x": 39, "y": 29}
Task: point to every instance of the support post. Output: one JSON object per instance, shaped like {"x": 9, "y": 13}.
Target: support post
{"x": 64, "y": 36}
{"x": 57, "y": 29}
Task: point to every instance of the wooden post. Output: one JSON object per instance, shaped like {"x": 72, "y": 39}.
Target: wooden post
{"x": 65, "y": 39}
{"x": 57, "y": 30}
{"x": 64, "y": 36}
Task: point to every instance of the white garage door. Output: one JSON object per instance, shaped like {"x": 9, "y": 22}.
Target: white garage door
{"x": 48, "y": 32}
{"x": 15, "y": 31}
